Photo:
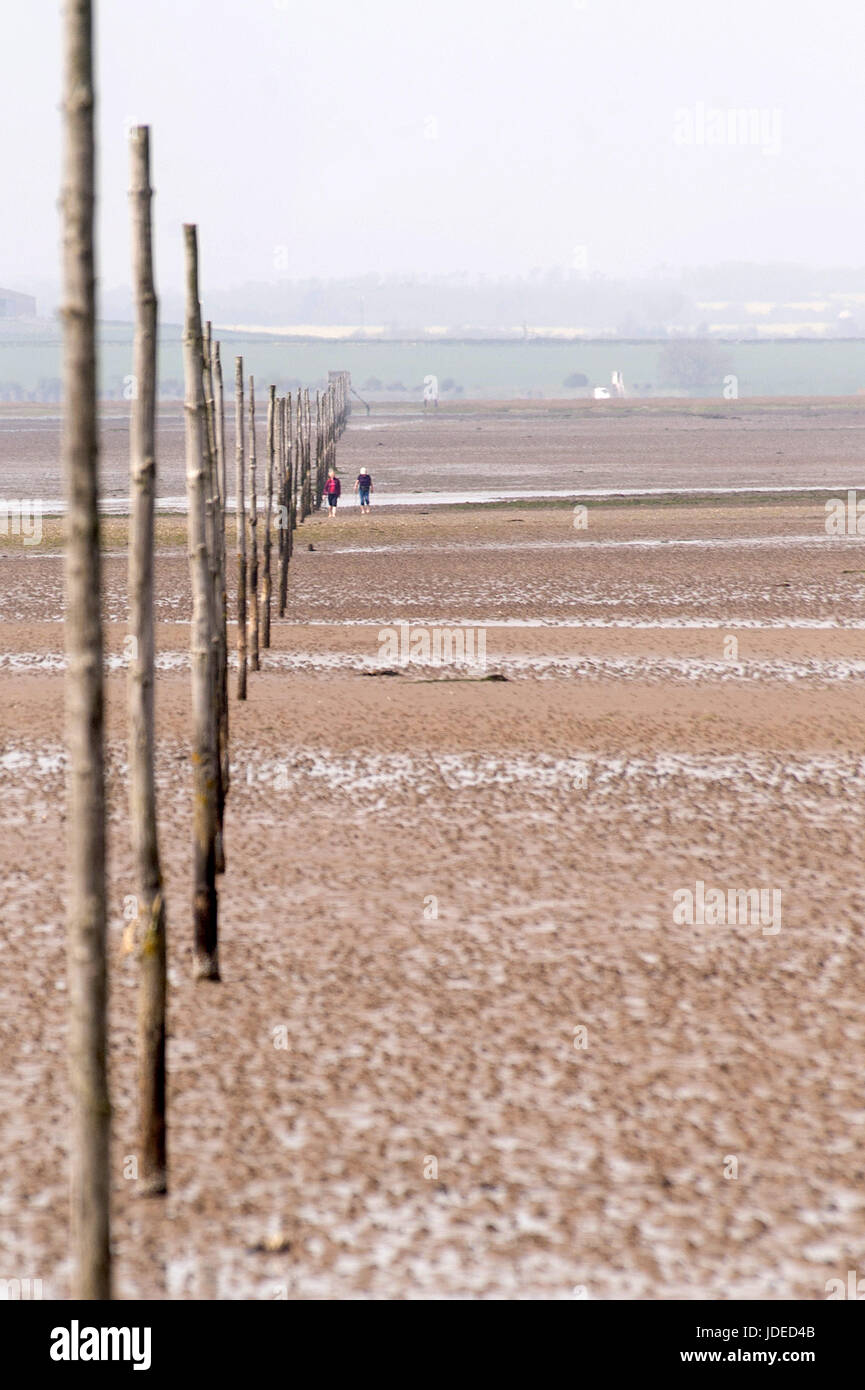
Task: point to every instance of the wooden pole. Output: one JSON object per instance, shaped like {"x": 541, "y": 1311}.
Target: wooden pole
{"x": 325, "y": 429}
{"x": 308, "y": 447}
{"x": 294, "y": 459}
{"x": 214, "y": 526}
{"x": 150, "y": 927}
{"x": 300, "y": 455}
{"x": 304, "y": 446}
{"x": 302, "y": 422}
{"x": 220, "y": 430}
{"x": 291, "y": 464}
{"x": 279, "y": 479}
{"x": 339, "y": 381}
{"x": 325, "y": 441}
{"x": 286, "y": 513}
{"x": 211, "y": 477}
{"x": 319, "y": 454}
{"x": 268, "y": 517}
{"x": 331, "y": 428}
{"x": 205, "y": 761}
{"x": 254, "y": 659}
{"x": 85, "y": 798}
{"x": 222, "y": 611}
{"x": 241, "y": 529}
{"x": 325, "y": 433}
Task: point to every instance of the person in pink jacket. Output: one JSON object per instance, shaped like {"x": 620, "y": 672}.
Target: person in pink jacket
{"x": 332, "y": 489}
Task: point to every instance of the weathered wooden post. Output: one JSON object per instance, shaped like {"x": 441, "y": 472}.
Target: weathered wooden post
{"x": 279, "y": 482}
{"x": 205, "y": 759}
{"x": 319, "y": 454}
{"x": 304, "y": 461}
{"x": 268, "y": 519}
{"x": 254, "y": 659}
{"x": 331, "y": 427}
{"x": 297, "y": 467}
{"x": 291, "y": 469}
{"x": 290, "y": 517}
{"x": 307, "y": 456}
{"x": 313, "y": 482}
{"x": 150, "y": 923}
{"x": 338, "y": 380}
{"x": 325, "y": 429}
{"x": 325, "y": 434}
{"x": 240, "y": 512}
{"x": 327, "y": 398}
{"x": 294, "y": 451}
{"x": 222, "y": 585}
{"x": 85, "y": 796}
{"x": 300, "y": 455}
{"x": 220, "y": 430}
{"x": 213, "y": 522}
{"x": 286, "y": 512}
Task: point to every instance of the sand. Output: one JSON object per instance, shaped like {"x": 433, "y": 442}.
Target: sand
{"x": 436, "y": 880}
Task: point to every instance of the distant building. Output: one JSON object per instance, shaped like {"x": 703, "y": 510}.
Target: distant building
{"x": 16, "y": 306}
{"x": 616, "y": 388}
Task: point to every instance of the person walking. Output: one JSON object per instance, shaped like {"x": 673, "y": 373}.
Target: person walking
{"x": 363, "y": 487}
{"x": 332, "y": 489}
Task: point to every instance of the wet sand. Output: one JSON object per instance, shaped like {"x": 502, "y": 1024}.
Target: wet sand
{"x": 515, "y": 445}
{"x": 435, "y": 879}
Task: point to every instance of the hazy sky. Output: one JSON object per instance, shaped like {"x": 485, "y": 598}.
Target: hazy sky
{"x": 342, "y": 136}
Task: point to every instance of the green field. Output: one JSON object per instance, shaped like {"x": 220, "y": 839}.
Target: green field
{"x": 30, "y": 366}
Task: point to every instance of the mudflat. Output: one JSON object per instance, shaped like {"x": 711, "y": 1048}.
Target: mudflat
{"x": 464, "y": 1046}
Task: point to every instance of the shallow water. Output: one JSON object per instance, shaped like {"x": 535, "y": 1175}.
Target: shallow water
{"x": 666, "y": 668}
{"x": 119, "y": 506}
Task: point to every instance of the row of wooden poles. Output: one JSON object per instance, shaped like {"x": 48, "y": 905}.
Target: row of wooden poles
{"x": 293, "y": 487}
{"x": 294, "y": 481}
{"x": 296, "y": 467}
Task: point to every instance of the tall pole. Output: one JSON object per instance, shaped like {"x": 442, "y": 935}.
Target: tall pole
{"x": 222, "y": 595}
{"x": 287, "y": 507}
{"x": 254, "y": 659}
{"x": 331, "y": 428}
{"x": 240, "y": 511}
{"x": 294, "y": 457}
{"x": 291, "y": 466}
{"x": 213, "y": 529}
{"x": 307, "y": 447}
{"x": 279, "y": 481}
{"x": 268, "y": 517}
{"x": 300, "y": 454}
{"x": 204, "y": 755}
{"x": 150, "y": 928}
{"x": 85, "y": 797}
{"x": 319, "y": 454}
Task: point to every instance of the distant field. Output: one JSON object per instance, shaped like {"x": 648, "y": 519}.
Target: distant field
{"x": 471, "y": 370}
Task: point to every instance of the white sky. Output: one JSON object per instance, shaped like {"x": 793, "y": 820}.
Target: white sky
{"x": 341, "y": 136}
